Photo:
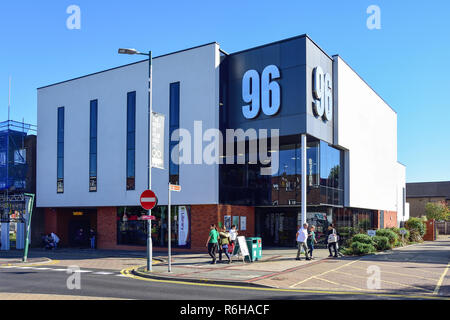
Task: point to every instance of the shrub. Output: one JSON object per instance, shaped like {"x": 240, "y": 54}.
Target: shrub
{"x": 362, "y": 238}
{"x": 360, "y": 248}
{"x": 399, "y": 234}
{"x": 391, "y": 235}
{"x": 364, "y": 224}
{"x": 416, "y": 224}
{"x": 382, "y": 243}
{"x": 415, "y": 236}
{"x": 437, "y": 211}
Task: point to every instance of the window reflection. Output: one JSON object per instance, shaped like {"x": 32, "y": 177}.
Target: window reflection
{"x": 243, "y": 184}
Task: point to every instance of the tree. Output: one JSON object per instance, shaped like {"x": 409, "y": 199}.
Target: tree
{"x": 437, "y": 211}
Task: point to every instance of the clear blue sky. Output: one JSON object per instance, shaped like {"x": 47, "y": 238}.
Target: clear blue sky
{"x": 406, "y": 62}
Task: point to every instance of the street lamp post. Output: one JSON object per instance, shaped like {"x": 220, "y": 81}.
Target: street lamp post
{"x": 150, "y": 114}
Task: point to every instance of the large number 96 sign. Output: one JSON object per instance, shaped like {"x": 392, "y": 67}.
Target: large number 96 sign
{"x": 323, "y": 94}
{"x": 261, "y": 93}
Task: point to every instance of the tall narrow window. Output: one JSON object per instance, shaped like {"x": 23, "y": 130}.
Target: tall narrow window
{"x": 93, "y": 146}
{"x": 174, "y": 167}
{"x": 131, "y": 140}
{"x": 60, "y": 151}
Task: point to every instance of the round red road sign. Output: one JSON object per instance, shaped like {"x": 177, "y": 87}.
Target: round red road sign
{"x": 148, "y": 200}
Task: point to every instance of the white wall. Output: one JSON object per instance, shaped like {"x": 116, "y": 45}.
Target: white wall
{"x": 367, "y": 127}
{"x": 196, "y": 69}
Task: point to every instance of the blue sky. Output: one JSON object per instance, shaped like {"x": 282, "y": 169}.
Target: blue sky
{"x": 406, "y": 62}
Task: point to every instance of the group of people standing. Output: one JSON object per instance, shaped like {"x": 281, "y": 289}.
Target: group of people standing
{"x": 306, "y": 238}
{"x": 222, "y": 241}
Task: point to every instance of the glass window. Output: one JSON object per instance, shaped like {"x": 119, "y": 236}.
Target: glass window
{"x": 331, "y": 175}
{"x": 174, "y": 168}
{"x": 131, "y": 140}
{"x": 132, "y": 229}
{"x": 93, "y": 146}
{"x": 60, "y": 151}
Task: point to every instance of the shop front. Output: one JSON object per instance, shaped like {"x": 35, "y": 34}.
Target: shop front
{"x": 132, "y": 229}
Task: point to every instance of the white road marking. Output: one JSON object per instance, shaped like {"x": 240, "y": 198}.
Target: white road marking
{"x": 103, "y": 273}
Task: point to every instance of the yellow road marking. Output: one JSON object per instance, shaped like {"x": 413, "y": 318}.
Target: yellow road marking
{"x": 397, "y": 267}
{"x": 323, "y": 273}
{"x": 441, "y": 280}
{"x": 126, "y": 272}
{"x": 338, "y": 284}
{"x": 46, "y": 263}
{"x": 391, "y": 282}
{"x": 401, "y": 274}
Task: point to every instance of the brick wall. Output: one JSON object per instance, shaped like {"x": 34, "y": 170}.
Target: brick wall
{"x": 417, "y": 205}
{"x": 390, "y": 219}
{"x": 51, "y": 220}
{"x": 106, "y": 228}
{"x": 430, "y": 234}
{"x": 202, "y": 216}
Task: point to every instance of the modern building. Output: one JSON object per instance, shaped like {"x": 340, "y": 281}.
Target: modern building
{"x": 418, "y": 194}
{"x": 323, "y": 138}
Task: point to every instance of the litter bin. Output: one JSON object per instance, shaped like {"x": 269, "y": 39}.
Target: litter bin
{"x": 254, "y": 245}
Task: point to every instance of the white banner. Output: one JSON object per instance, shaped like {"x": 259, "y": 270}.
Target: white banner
{"x": 183, "y": 226}
{"x": 158, "y": 140}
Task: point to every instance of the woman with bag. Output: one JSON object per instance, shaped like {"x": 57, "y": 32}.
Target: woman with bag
{"x": 223, "y": 244}
{"x": 332, "y": 240}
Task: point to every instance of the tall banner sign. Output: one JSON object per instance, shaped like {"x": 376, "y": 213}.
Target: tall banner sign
{"x": 158, "y": 140}
{"x": 183, "y": 226}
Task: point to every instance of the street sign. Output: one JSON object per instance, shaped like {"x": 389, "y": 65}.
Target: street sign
{"x": 173, "y": 187}
{"x": 403, "y": 231}
{"x": 148, "y": 217}
{"x": 372, "y": 233}
{"x": 148, "y": 200}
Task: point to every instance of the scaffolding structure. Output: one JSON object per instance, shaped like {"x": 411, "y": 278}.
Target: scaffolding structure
{"x": 15, "y": 179}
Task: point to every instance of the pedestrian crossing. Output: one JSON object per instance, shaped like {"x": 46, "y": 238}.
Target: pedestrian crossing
{"x": 37, "y": 268}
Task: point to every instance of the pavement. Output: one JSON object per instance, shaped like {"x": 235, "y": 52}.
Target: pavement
{"x": 413, "y": 272}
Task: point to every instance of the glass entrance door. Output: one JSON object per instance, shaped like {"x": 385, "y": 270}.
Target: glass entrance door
{"x": 277, "y": 227}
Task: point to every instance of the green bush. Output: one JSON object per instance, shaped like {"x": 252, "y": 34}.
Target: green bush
{"x": 362, "y": 238}
{"x": 364, "y": 224}
{"x": 417, "y": 225}
{"x": 391, "y": 235}
{"x": 399, "y": 234}
{"x": 360, "y": 248}
{"x": 382, "y": 243}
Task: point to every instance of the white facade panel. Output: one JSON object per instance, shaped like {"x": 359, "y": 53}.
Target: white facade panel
{"x": 196, "y": 69}
{"x": 367, "y": 127}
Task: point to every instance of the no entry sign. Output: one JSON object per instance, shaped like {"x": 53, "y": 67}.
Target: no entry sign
{"x": 148, "y": 200}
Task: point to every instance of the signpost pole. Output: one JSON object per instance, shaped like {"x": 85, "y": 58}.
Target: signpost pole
{"x": 150, "y": 113}
{"x": 30, "y": 213}
{"x": 170, "y": 230}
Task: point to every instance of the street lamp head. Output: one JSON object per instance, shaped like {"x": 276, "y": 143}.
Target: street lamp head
{"x": 128, "y": 51}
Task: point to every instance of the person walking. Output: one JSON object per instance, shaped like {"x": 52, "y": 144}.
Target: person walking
{"x": 311, "y": 240}
{"x": 332, "y": 240}
{"x": 233, "y": 237}
{"x": 302, "y": 236}
{"x": 223, "y": 245}
{"x": 211, "y": 243}
{"x": 92, "y": 237}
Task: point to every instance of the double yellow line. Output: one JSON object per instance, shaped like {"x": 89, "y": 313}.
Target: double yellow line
{"x": 127, "y": 272}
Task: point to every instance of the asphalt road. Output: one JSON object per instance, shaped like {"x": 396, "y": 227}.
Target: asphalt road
{"x": 114, "y": 285}
{"x": 52, "y": 280}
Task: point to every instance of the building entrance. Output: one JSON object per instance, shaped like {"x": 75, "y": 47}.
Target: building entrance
{"x": 277, "y": 226}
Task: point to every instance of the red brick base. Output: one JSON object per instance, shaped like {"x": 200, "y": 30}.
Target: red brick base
{"x": 430, "y": 234}
{"x": 202, "y": 216}
{"x": 390, "y": 219}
